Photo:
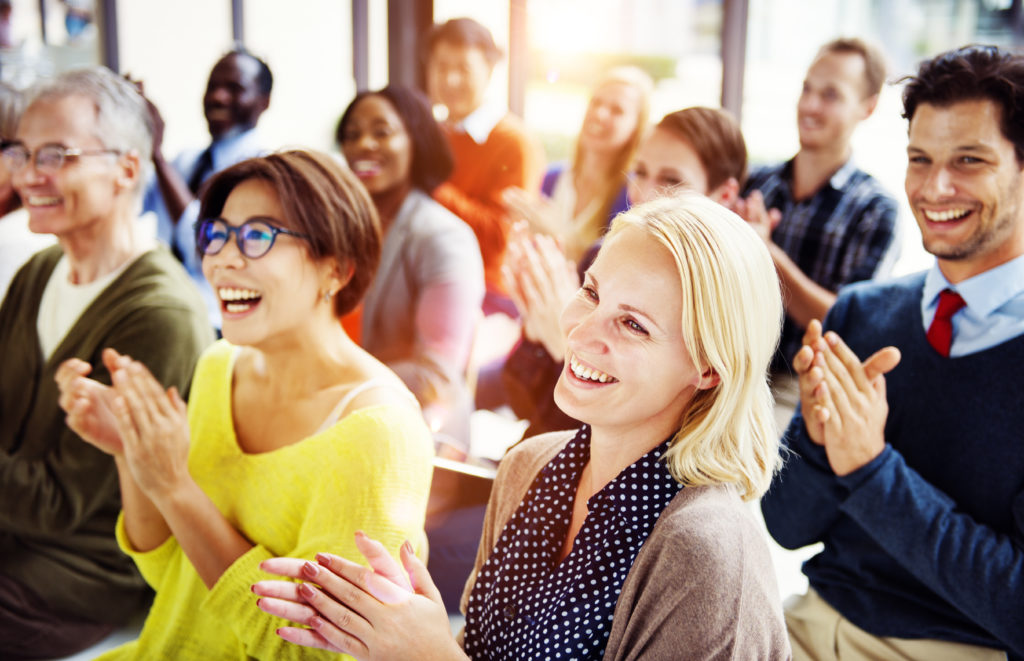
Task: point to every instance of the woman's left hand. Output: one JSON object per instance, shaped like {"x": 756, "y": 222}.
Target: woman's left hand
{"x": 153, "y": 424}
{"x": 364, "y": 612}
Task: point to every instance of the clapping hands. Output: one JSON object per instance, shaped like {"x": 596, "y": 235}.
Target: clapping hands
{"x": 385, "y": 611}
{"x": 843, "y": 400}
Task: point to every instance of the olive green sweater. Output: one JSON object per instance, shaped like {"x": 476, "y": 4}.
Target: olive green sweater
{"x": 59, "y": 496}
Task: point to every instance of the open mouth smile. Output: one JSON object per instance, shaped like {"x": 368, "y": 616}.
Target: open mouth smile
{"x": 584, "y": 373}
{"x": 236, "y": 300}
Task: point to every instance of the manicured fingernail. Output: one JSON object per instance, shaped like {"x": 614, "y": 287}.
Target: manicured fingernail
{"x": 252, "y": 588}
{"x": 306, "y": 591}
{"x": 360, "y": 534}
{"x": 309, "y": 569}
{"x": 315, "y": 622}
{"x": 831, "y": 338}
{"x": 407, "y": 547}
{"x": 323, "y": 559}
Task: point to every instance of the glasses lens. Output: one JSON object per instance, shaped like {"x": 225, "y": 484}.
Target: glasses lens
{"x": 50, "y": 157}
{"x": 16, "y": 156}
{"x": 212, "y": 236}
{"x": 257, "y": 238}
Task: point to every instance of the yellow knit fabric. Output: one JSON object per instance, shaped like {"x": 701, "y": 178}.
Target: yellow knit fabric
{"x": 370, "y": 471}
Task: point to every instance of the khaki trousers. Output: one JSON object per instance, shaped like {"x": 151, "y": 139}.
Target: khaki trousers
{"x": 819, "y": 633}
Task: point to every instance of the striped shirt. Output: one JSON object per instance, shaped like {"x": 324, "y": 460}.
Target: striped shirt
{"x": 837, "y": 236}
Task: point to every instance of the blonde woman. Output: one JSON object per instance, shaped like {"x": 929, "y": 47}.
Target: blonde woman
{"x": 627, "y": 538}
{"x": 559, "y": 239}
{"x": 579, "y": 201}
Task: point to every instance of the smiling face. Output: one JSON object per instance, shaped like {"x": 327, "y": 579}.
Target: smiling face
{"x": 665, "y": 162}
{"x": 457, "y": 78}
{"x": 833, "y": 101}
{"x": 233, "y": 98}
{"x": 275, "y": 295}
{"x": 376, "y": 145}
{"x": 627, "y": 369}
{"x": 965, "y": 187}
{"x": 611, "y": 118}
{"x": 78, "y": 201}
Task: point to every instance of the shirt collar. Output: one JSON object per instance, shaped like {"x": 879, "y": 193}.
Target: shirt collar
{"x": 479, "y": 123}
{"x": 230, "y": 142}
{"x": 984, "y": 293}
{"x": 836, "y": 181}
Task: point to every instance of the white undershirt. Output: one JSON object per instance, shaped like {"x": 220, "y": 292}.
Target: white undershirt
{"x": 63, "y": 303}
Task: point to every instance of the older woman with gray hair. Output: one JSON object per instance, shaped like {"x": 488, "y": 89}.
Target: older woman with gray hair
{"x": 627, "y": 538}
{"x": 77, "y": 159}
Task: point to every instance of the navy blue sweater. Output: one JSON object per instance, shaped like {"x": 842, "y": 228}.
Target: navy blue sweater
{"x": 927, "y": 540}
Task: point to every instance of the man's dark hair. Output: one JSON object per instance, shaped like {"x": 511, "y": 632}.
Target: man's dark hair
{"x": 432, "y": 160}
{"x": 973, "y": 73}
{"x": 264, "y": 79}
{"x": 464, "y": 32}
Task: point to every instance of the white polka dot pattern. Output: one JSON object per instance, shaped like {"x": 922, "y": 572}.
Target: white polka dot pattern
{"x": 524, "y": 605}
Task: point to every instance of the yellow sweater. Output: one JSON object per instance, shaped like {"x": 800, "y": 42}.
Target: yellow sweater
{"x": 370, "y": 471}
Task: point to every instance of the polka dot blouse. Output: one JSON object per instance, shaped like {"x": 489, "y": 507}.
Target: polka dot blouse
{"x": 527, "y": 605}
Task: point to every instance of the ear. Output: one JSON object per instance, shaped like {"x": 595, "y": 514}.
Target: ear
{"x": 708, "y": 380}
{"x": 338, "y": 276}
{"x": 727, "y": 193}
{"x": 868, "y": 106}
{"x": 129, "y": 170}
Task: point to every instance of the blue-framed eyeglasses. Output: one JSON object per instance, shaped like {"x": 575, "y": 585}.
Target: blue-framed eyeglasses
{"x": 48, "y": 158}
{"x": 255, "y": 237}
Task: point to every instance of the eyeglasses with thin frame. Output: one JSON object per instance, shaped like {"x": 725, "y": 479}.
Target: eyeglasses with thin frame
{"x": 255, "y": 237}
{"x": 48, "y": 158}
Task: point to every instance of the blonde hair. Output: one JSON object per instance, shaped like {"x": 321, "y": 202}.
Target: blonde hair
{"x": 732, "y": 315}
{"x": 591, "y": 229}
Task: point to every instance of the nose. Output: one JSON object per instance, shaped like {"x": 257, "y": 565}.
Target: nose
{"x": 938, "y": 184}
{"x": 640, "y": 191}
{"x": 808, "y": 102}
{"x": 28, "y": 174}
{"x": 585, "y": 330}
{"x": 366, "y": 141}
{"x": 218, "y": 94}
{"x": 453, "y": 78}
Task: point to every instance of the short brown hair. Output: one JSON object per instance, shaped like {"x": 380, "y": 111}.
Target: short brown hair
{"x": 717, "y": 139}
{"x": 322, "y": 200}
{"x": 464, "y": 32}
{"x": 874, "y": 61}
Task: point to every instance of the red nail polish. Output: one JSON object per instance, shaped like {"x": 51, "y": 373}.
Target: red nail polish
{"x": 309, "y": 569}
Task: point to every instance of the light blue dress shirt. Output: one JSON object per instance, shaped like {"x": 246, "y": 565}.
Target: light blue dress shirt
{"x": 995, "y": 306}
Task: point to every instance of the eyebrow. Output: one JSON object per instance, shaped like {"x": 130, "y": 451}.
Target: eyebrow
{"x": 626, "y": 307}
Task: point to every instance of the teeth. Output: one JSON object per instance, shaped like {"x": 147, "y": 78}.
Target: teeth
{"x": 237, "y": 307}
{"x": 588, "y": 373}
{"x": 41, "y": 201}
{"x": 365, "y": 166}
{"x": 946, "y": 216}
{"x": 232, "y": 294}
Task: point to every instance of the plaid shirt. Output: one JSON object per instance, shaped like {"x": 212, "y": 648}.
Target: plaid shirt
{"x": 837, "y": 236}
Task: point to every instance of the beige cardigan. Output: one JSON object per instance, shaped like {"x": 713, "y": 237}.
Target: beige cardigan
{"x": 701, "y": 587}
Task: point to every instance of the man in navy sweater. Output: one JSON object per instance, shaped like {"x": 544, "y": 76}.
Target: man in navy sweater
{"x": 914, "y": 480}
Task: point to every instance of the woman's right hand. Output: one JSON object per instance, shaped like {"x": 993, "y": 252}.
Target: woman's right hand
{"x": 89, "y": 404}
{"x": 385, "y": 612}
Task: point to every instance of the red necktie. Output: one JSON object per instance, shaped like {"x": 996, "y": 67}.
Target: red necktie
{"x": 940, "y": 333}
